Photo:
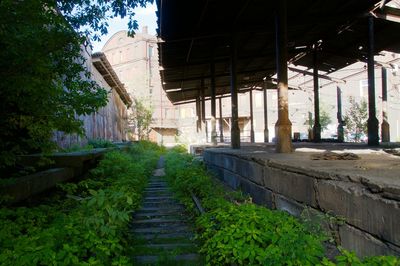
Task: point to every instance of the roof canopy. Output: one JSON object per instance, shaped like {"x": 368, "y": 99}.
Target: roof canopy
{"x": 104, "y": 67}
{"x": 197, "y": 32}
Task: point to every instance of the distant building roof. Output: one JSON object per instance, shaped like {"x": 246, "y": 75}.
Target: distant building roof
{"x": 104, "y": 67}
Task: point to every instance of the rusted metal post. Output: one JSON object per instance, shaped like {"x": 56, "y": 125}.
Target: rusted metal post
{"x": 385, "y": 127}
{"x": 251, "y": 117}
{"x": 317, "y": 124}
{"x": 266, "y": 132}
{"x": 198, "y": 114}
{"x": 340, "y": 132}
{"x": 235, "y": 131}
{"x": 203, "y": 110}
{"x": 221, "y": 122}
{"x": 283, "y": 126}
{"x": 213, "y": 106}
{"x": 373, "y": 124}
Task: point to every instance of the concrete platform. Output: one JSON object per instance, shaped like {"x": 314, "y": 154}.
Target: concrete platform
{"x": 365, "y": 191}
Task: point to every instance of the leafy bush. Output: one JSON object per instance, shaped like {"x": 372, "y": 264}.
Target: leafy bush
{"x": 100, "y": 143}
{"x": 88, "y": 225}
{"x": 236, "y": 232}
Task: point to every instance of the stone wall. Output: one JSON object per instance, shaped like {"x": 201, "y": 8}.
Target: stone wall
{"x": 371, "y": 220}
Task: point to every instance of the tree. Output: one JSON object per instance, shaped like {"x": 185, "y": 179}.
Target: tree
{"x": 43, "y": 83}
{"x": 141, "y": 117}
{"x": 324, "y": 119}
{"x": 356, "y": 118}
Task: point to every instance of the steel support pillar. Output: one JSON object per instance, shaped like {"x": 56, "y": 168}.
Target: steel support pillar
{"x": 235, "y": 131}
{"x": 203, "y": 110}
{"x": 385, "y": 127}
{"x": 373, "y": 124}
{"x": 221, "y": 122}
{"x": 198, "y": 114}
{"x": 266, "y": 132}
{"x": 283, "y": 126}
{"x": 317, "y": 124}
{"x": 340, "y": 131}
{"x": 213, "y": 106}
{"x": 251, "y": 117}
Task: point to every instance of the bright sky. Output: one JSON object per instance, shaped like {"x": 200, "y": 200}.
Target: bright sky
{"x": 144, "y": 16}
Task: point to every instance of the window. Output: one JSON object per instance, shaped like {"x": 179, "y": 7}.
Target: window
{"x": 259, "y": 100}
{"x": 150, "y": 51}
{"x": 364, "y": 88}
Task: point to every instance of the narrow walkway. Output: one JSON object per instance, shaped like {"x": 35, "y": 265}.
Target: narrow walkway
{"x": 160, "y": 227}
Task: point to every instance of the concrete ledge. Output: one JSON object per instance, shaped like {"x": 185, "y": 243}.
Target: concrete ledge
{"x": 25, "y": 187}
{"x": 376, "y": 215}
{"x": 369, "y": 206}
{"x": 363, "y": 243}
{"x": 65, "y": 167}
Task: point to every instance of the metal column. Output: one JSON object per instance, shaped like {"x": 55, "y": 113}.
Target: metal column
{"x": 266, "y": 132}
{"x": 385, "y": 127}
{"x": 283, "y": 126}
{"x": 251, "y": 117}
{"x": 340, "y": 132}
{"x": 198, "y": 114}
{"x": 235, "y": 131}
{"x": 213, "y": 106}
{"x": 221, "y": 122}
{"x": 317, "y": 125}
{"x": 203, "y": 110}
{"x": 373, "y": 124}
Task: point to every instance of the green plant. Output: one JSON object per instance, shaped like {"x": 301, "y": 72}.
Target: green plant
{"x": 100, "y": 143}
{"x": 234, "y": 231}
{"x": 89, "y": 225}
{"x": 141, "y": 117}
{"x": 356, "y": 118}
{"x": 44, "y": 83}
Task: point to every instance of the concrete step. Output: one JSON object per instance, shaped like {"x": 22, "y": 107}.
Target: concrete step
{"x": 161, "y": 205}
{"x": 177, "y": 258}
{"x": 167, "y": 236}
{"x": 160, "y": 223}
{"x": 174, "y": 209}
{"x": 162, "y": 229}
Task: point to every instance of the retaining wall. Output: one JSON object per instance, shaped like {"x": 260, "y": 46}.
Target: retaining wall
{"x": 372, "y": 220}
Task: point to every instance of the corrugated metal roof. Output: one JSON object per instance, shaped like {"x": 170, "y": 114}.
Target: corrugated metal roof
{"x": 104, "y": 67}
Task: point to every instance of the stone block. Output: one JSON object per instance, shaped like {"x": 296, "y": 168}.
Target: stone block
{"x": 292, "y": 185}
{"x": 369, "y": 212}
{"x": 250, "y": 170}
{"x": 231, "y": 179}
{"x": 217, "y": 171}
{"x": 229, "y": 162}
{"x": 362, "y": 243}
{"x": 285, "y": 204}
{"x": 259, "y": 195}
{"x": 27, "y": 186}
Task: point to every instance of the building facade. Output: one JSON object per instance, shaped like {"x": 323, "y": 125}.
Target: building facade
{"x": 110, "y": 121}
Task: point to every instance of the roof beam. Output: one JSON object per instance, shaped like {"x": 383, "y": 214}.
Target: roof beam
{"x": 388, "y": 13}
{"x": 305, "y": 72}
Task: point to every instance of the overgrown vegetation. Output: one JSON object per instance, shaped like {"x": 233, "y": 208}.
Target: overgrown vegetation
{"x": 141, "y": 119}
{"x": 85, "y": 225}
{"x": 236, "y": 232}
{"x": 44, "y": 85}
{"x": 356, "y": 118}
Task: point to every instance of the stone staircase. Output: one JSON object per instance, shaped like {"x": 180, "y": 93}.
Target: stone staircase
{"x": 160, "y": 228}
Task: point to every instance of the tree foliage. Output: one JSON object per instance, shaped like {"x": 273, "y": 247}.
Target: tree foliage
{"x": 44, "y": 85}
{"x": 356, "y": 117}
{"x": 324, "y": 119}
{"x": 141, "y": 118}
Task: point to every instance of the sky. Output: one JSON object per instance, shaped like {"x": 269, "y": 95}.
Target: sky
{"x": 144, "y": 16}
